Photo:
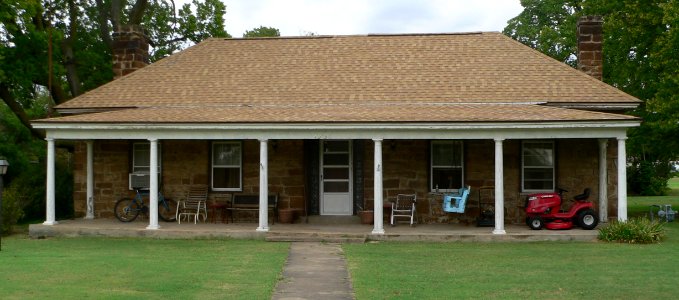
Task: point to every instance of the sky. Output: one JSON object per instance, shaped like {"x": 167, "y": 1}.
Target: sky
{"x": 346, "y": 17}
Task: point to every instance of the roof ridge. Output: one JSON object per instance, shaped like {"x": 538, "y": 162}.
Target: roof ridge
{"x": 327, "y": 36}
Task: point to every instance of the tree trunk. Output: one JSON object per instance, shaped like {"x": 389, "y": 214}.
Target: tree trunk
{"x": 18, "y": 111}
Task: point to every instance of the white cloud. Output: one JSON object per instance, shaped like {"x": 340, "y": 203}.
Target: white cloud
{"x": 339, "y": 17}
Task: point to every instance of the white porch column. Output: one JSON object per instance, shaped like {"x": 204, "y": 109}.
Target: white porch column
{"x": 263, "y": 186}
{"x": 378, "y": 192}
{"x": 622, "y": 180}
{"x": 153, "y": 191}
{"x": 90, "y": 181}
{"x": 603, "y": 181}
{"x": 50, "y": 218}
{"x": 499, "y": 189}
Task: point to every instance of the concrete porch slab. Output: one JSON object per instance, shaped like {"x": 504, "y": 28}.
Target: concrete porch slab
{"x": 306, "y": 232}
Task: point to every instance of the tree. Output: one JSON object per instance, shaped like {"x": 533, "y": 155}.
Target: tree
{"x": 641, "y": 38}
{"x": 53, "y": 50}
{"x": 262, "y": 31}
{"x": 64, "y": 46}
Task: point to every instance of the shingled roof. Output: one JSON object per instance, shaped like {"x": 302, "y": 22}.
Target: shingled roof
{"x": 423, "y": 68}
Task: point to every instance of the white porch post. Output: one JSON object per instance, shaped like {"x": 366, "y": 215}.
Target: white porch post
{"x": 378, "y": 192}
{"x": 90, "y": 181}
{"x": 622, "y": 180}
{"x": 50, "y": 218}
{"x": 603, "y": 181}
{"x": 153, "y": 191}
{"x": 263, "y": 186}
{"x": 499, "y": 189}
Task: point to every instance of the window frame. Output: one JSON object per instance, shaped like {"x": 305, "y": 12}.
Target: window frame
{"x": 134, "y": 165}
{"x": 524, "y": 167}
{"x": 239, "y": 166}
{"x": 432, "y": 166}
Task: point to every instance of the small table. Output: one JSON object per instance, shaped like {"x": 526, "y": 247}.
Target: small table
{"x": 214, "y": 208}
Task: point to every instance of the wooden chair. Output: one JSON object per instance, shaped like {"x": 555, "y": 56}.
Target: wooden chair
{"x": 404, "y": 207}
{"x": 194, "y": 205}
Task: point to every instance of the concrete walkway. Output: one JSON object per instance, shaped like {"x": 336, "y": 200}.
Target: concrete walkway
{"x": 314, "y": 271}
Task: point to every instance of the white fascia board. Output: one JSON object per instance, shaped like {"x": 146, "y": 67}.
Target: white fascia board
{"x": 601, "y": 129}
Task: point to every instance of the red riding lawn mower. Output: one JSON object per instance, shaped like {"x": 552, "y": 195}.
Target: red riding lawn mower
{"x": 544, "y": 210}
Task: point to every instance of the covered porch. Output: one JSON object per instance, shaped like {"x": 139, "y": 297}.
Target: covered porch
{"x": 497, "y": 134}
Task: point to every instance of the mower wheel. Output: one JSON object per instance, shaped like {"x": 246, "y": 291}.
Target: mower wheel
{"x": 587, "y": 219}
{"x": 535, "y": 223}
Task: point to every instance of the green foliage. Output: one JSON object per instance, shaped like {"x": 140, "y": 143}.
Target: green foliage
{"x": 194, "y": 22}
{"x": 643, "y": 178}
{"x": 25, "y": 179}
{"x": 262, "y": 31}
{"x": 11, "y": 209}
{"x": 641, "y": 38}
{"x": 548, "y": 26}
{"x": 634, "y": 231}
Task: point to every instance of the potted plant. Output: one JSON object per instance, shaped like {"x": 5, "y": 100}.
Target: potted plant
{"x": 367, "y": 215}
{"x": 286, "y": 215}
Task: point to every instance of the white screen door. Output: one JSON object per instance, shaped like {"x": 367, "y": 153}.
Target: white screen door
{"x": 336, "y": 189}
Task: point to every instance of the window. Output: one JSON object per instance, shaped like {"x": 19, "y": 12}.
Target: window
{"x": 446, "y": 165}
{"x": 141, "y": 158}
{"x": 537, "y": 166}
{"x": 141, "y": 165}
{"x": 227, "y": 166}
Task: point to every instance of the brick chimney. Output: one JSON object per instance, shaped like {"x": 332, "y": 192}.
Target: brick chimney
{"x": 590, "y": 41}
{"x": 130, "y": 50}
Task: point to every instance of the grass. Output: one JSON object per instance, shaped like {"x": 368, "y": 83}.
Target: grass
{"x": 640, "y": 205}
{"x": 110, "y": 268}
{"x": 551, "y": 270}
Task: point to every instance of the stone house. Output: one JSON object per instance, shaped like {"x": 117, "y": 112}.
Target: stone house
{"x": 332, "y": 124}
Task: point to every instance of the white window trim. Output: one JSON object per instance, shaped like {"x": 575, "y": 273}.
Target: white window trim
{"x": 212, "y": 167}
{"x": 523, "y": 167}
{"x": 431, "y": 163}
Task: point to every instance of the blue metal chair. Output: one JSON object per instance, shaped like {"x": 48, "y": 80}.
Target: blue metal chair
{"x": 456, "y": 203}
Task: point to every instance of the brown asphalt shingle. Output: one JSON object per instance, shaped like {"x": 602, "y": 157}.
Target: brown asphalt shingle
{"x": 392, "y": 69}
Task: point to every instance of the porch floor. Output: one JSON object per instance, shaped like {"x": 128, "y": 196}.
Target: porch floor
{"x": 306, "y": 232}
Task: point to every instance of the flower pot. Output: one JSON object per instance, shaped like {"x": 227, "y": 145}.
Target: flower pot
{"x": 367, "y": 216}
{"x": 286, "y": 216}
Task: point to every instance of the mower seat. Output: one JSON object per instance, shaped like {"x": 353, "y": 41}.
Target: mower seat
{"x": 584, "y": 195}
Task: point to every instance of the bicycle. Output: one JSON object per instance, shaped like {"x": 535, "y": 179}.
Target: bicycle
{"x": 128, "y": 209}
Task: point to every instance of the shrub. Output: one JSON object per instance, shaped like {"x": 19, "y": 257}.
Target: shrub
{"x": 11, "y": 209}
{"x": 634, "y": 231}
{"x": 648, "y": 178}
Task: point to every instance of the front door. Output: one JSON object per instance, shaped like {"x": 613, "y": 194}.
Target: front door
{"x": 336, "y": 189}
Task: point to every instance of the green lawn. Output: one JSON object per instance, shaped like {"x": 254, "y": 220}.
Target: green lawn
{"x": 535, "y": 270}
{"x": 551, "y": 270}
{"x": 99, "y": 268}
{"x": 73, "y": 268}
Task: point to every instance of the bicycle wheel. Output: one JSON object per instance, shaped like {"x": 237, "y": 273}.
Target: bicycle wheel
{"x": 167, "y": 210}
{"x": 126, "y": 210}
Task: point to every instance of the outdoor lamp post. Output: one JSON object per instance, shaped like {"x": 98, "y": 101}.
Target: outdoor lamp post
{"x": 3, "y": 169}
